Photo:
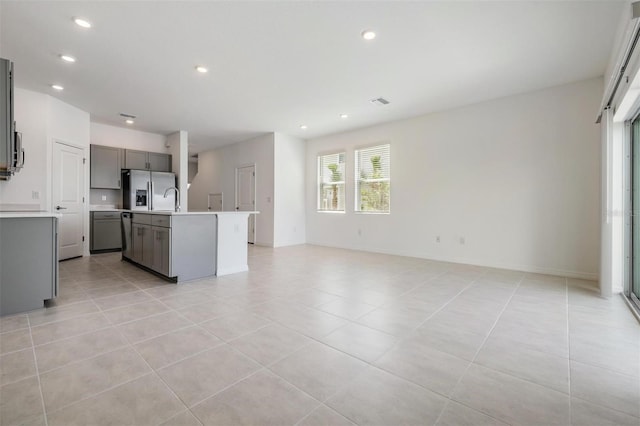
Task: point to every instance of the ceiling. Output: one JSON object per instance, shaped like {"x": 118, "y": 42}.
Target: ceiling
{"x": 274, "y": 66}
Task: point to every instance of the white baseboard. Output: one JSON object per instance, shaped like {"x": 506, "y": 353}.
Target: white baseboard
{"x": 591, "y": 276}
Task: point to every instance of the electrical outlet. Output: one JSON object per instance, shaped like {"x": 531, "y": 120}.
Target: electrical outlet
{"x": 461, "y": 240}
{"x": 236, "y": 228}
{"x": 359, "y": 232}
{"x": 438, "y": 239}
{"x": 35, "y": 195}
{"x": 104, "y": 198}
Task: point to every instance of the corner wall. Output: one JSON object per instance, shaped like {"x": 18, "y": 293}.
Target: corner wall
{"x": 217, "y": 173}
{"x": 289, "y": 191}
{"x": 516, "y": 179}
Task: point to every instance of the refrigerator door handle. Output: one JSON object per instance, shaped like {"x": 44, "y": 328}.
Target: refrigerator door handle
{"x": 152, "y": 194}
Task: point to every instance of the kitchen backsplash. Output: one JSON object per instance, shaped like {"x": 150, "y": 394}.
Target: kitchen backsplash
{"x": 111, "y": 197}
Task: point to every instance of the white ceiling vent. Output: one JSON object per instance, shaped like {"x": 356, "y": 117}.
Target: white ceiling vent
{"x": 379, "y": 101}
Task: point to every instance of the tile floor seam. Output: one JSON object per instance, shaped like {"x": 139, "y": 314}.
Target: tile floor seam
{"x": 93, "y": 395}
{"x": 77, "y": 361}
{"x": 455, "y": 387}
{"x": 626, "y": 413}
{"x": 154, "y": 372}
{"x": 35, "y": 361}
{"x": 73, "y": 336}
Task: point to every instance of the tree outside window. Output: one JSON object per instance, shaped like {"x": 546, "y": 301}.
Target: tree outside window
{"x": 373, "y": 180}
{"x": 331, "y": 182}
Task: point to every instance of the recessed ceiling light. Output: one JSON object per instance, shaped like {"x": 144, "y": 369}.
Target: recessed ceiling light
{"x": 202, "y": 69}
{"x": 344, "y": 116}
{"x": 67, "y": 58}
{"x": 368, "y": 35}
{"x": 303, "y": 127}
{"x": 57, "y": 87}
{"x": 128, "y": 121}
{"x": 82, "y": 22}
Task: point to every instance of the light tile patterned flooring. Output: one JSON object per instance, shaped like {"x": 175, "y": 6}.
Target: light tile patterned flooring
{"x": 320, "y": 336}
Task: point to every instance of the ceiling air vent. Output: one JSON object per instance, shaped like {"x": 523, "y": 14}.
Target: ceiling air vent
{"x": 122, "y": 114}
{"x": 379, "y": 101}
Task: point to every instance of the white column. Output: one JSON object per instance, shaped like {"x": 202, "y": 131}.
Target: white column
{"x": 179, "y": 146}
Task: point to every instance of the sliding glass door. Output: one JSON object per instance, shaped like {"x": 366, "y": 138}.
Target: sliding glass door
{"x": 635, "y": 211}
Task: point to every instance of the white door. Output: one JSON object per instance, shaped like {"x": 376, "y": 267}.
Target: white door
{"x": 67, "y": 198}
{"x": 246, "y": 196}
{"x": 215, "y": 202}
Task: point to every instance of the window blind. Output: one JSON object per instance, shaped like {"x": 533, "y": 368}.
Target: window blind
{"x": 373, "y": 179}
{"x": 331, "y": 168}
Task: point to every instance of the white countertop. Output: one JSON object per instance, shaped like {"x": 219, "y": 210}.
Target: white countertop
{"x": 13, "y": 215}
{"x": 182, "y": 213}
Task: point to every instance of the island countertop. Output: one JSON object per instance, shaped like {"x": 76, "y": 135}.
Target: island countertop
{"x": 181, "y": 213}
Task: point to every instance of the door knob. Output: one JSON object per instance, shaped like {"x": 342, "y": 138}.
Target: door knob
{"x": 60, "y": 208}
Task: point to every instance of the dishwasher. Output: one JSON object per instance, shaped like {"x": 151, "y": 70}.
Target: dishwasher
{"x": 126, "y": 235}
{"x": 105, "y": 231}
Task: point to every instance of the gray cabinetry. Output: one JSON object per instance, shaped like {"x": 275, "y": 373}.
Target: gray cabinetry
{"x": 159, "y": 162}
{"x": 142, "y": 240}
{"x": 135, "y": 160}
{"x": 153, "y": 161}
{"x": 105, "y": 167}
{"x": 105, "y": 232}
{"x": 161, "y": 258}
{"x": 181, "y": 247}
{"x": 28, "y": 264}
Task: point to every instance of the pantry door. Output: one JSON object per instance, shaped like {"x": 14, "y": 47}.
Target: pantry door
{"x": 67, "y": 198}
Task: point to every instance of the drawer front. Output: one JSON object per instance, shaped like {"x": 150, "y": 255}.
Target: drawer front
{"x": 106, "y": 215}
{"x": 144, "y": 219}
{"x": 161, "y": 220}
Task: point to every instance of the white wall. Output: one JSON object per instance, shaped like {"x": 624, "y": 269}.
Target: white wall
{"x": 119, "y": 137}
{"x": 217, "y": 173}
{"x": 31, "y": 111}
{"x": 517, "y": 178}
{"x": 43, "y": 120}
{"x": 289, "y": 191}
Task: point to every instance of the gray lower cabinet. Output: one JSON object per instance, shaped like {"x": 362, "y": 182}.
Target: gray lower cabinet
{"x": 142, "y": 244}
{"x": 161, "y": 250}
{"x": 28, "y": 263}
{"x": 180, "y": 247}
{"x": 105, "y": 232}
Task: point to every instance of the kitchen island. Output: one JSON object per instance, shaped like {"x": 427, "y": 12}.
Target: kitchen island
{"x": 184, "y": 246}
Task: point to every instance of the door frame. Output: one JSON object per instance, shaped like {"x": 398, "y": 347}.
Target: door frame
{"x": 252, "y": 217}
{"x": 85, "y": 188}
{"x": 628, "y": 209}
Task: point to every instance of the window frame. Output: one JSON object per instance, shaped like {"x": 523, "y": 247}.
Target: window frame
{"x": 358, "y": 179}
{"x": 320, "y": 183}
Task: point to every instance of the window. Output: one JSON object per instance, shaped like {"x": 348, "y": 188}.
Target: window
{"x": 373, "y": 179}
{"x": 331, "y": 182}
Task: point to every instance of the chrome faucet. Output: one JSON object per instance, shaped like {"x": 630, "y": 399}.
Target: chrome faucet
{"x": 177, "y": 196}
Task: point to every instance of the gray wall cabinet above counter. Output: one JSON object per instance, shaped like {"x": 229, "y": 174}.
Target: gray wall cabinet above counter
{"x": 141, "y": 160}
{"x": 107, "y": 162}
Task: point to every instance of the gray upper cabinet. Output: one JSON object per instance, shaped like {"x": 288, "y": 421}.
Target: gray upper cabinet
{"x": 141, "y": 160}
{"x": 135, "y": 160}
{"x": 159, "y": 162}
{"x": 105, "y": 167}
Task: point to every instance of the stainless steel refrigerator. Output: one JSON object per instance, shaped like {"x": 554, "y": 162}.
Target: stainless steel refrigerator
{"x": 144, "y": 190}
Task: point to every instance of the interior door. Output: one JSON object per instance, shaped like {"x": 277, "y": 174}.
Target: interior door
{"x": 635, "y": 211}
{"x": 214, "y": 202}
{"x": 67, "y": 198}
{"x": 246, "y": 196}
